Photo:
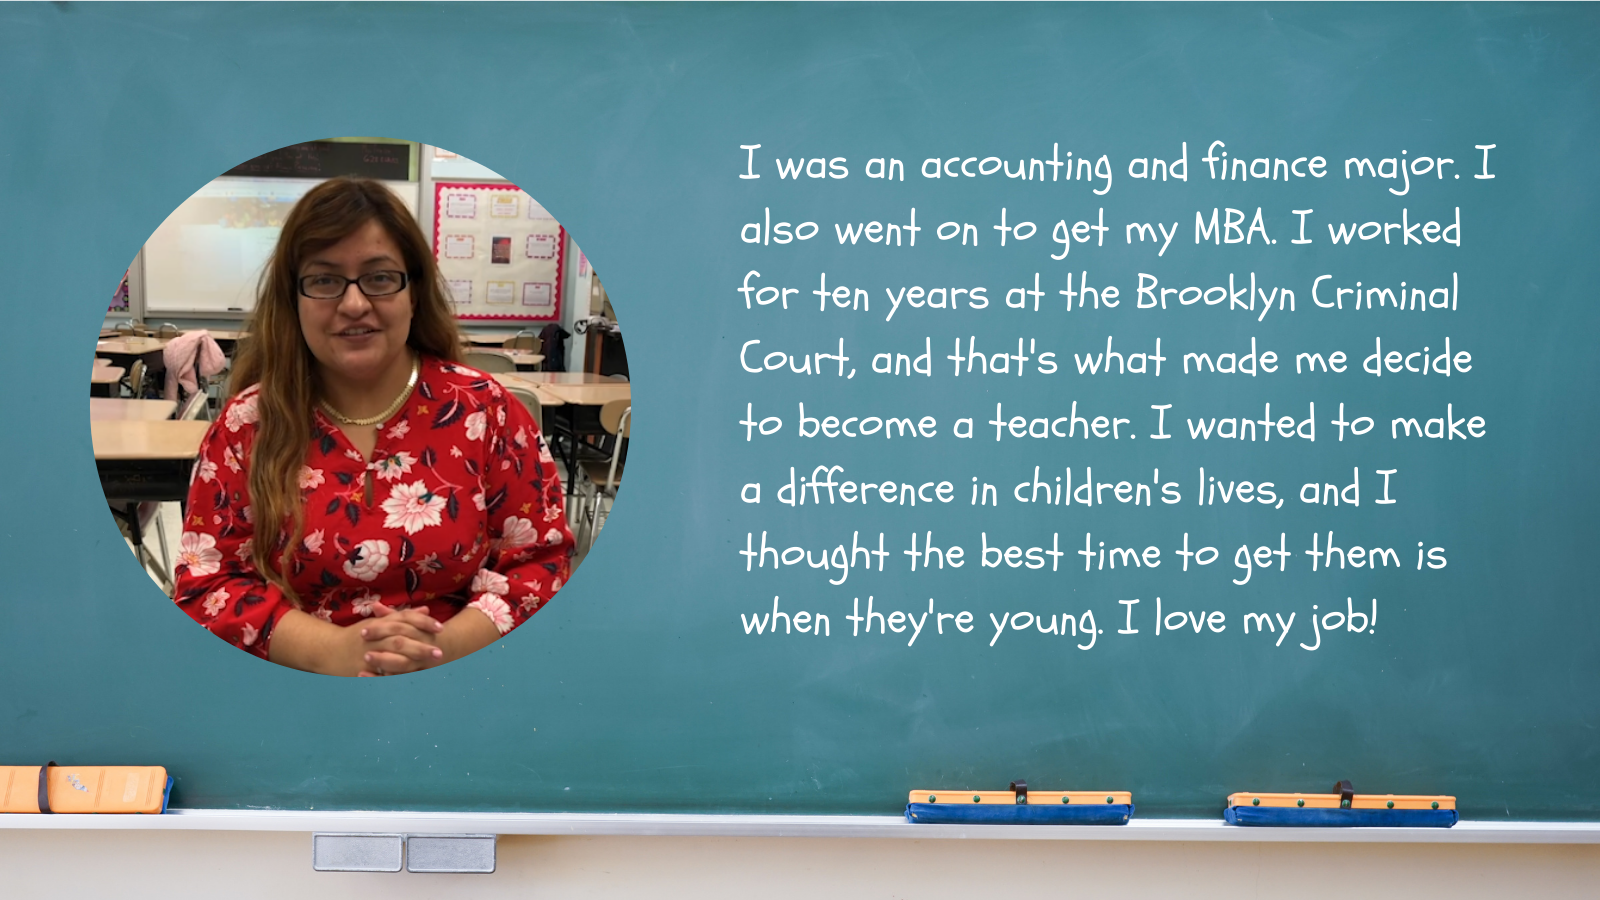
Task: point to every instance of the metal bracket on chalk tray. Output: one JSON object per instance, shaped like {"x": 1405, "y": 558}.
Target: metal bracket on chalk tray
{"x": 365, "y": 852}
{"x": 1346, "y": 793}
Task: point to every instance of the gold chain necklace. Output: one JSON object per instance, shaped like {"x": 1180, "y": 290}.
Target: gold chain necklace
{"x": 416, "y": 369}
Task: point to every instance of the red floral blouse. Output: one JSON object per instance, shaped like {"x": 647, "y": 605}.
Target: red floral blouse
{"x": 463, "y": 507}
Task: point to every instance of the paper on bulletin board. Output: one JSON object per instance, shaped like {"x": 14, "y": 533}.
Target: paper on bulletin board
{"x": 119, "y": 299}
{"x": 500, "y": 252}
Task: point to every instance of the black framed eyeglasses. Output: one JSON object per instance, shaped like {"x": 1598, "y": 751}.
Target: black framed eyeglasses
{"x": 328, "y": 286}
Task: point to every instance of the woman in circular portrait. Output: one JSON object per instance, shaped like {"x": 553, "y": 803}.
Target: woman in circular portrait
{"x": 365, "y": 505}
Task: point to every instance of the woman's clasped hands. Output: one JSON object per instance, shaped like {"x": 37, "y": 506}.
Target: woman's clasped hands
{"x": 394, "y": 642}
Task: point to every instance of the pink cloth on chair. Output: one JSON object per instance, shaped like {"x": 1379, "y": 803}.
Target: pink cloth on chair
{"x": 183, "y": 354}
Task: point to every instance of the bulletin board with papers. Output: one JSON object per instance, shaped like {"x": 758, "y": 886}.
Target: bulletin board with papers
{"x": 499, "y": 251}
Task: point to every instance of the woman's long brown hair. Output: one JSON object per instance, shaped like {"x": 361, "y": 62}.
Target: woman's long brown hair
{"x": 276, "y": 357}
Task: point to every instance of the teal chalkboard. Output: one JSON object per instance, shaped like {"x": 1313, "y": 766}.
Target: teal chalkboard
{"x": 638, "y": 688}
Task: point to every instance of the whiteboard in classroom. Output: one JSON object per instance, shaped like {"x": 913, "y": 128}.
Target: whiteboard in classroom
{"x": 207, "y": 257}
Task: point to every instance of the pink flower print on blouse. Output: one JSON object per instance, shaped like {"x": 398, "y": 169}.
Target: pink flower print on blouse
{"x": 363, "y": 604}
{"x": 496, "y": 609}
{"x": 491, "y": 582}
{"x": 391, "y": 468}
{"x": 412, "y": 507}
{"x": 216, "y": 601}
{"x": 204, "y": 469}
{"x": 517, "y": 532}
{"x": 242, "y": 413}
{"x": 198, "y": 552}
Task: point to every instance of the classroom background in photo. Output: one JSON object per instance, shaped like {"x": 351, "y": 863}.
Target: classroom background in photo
{"x": 532, "y": 311}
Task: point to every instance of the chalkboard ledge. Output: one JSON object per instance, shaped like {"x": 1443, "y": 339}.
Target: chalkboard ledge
{"x": 1466, "y": 832}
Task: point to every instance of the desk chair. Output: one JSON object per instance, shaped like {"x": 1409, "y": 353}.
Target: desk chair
{"x": 167, "y": 330}
{"x": 604, "y": 480}
{"x": 136, "y": 379}
{"x": 524, "y": 340}
{"x": 528, "y": 342}
{"x": 206, "y": 387}
{"x": 218, "y": 390}
{"x": 488, "y": 362}
{"x": 194, "y": 407}
{"x": 531, "y": 401}
{"x": 136, "y": 518}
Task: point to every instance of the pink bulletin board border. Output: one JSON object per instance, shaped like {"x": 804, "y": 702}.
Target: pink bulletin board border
{"x": 439, "y": 187}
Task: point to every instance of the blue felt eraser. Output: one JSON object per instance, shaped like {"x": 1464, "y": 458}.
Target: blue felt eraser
{"x": 1018, "y": 814}
{"x": 1278, "y": 816}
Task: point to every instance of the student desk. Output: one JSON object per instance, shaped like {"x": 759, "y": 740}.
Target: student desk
{"x": 591, "y": 394}
{"x": 520, "y": 357}
{"x": 547, "y": 400}
{"x": 579, "y": 407}
{"x": 108, "y": 409}
{"x": 102, "y": 378}
{"x": 581, "y": 410}
{"x": 123, "y": 351}
{"x": 522, "y": 380}
{"x": 132, "y": 346}
{"x": 567, "y": 378}
{"x": 487, "y": 338}
{"x": 227, "y": 338}
{"x": 146, "y": 460}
